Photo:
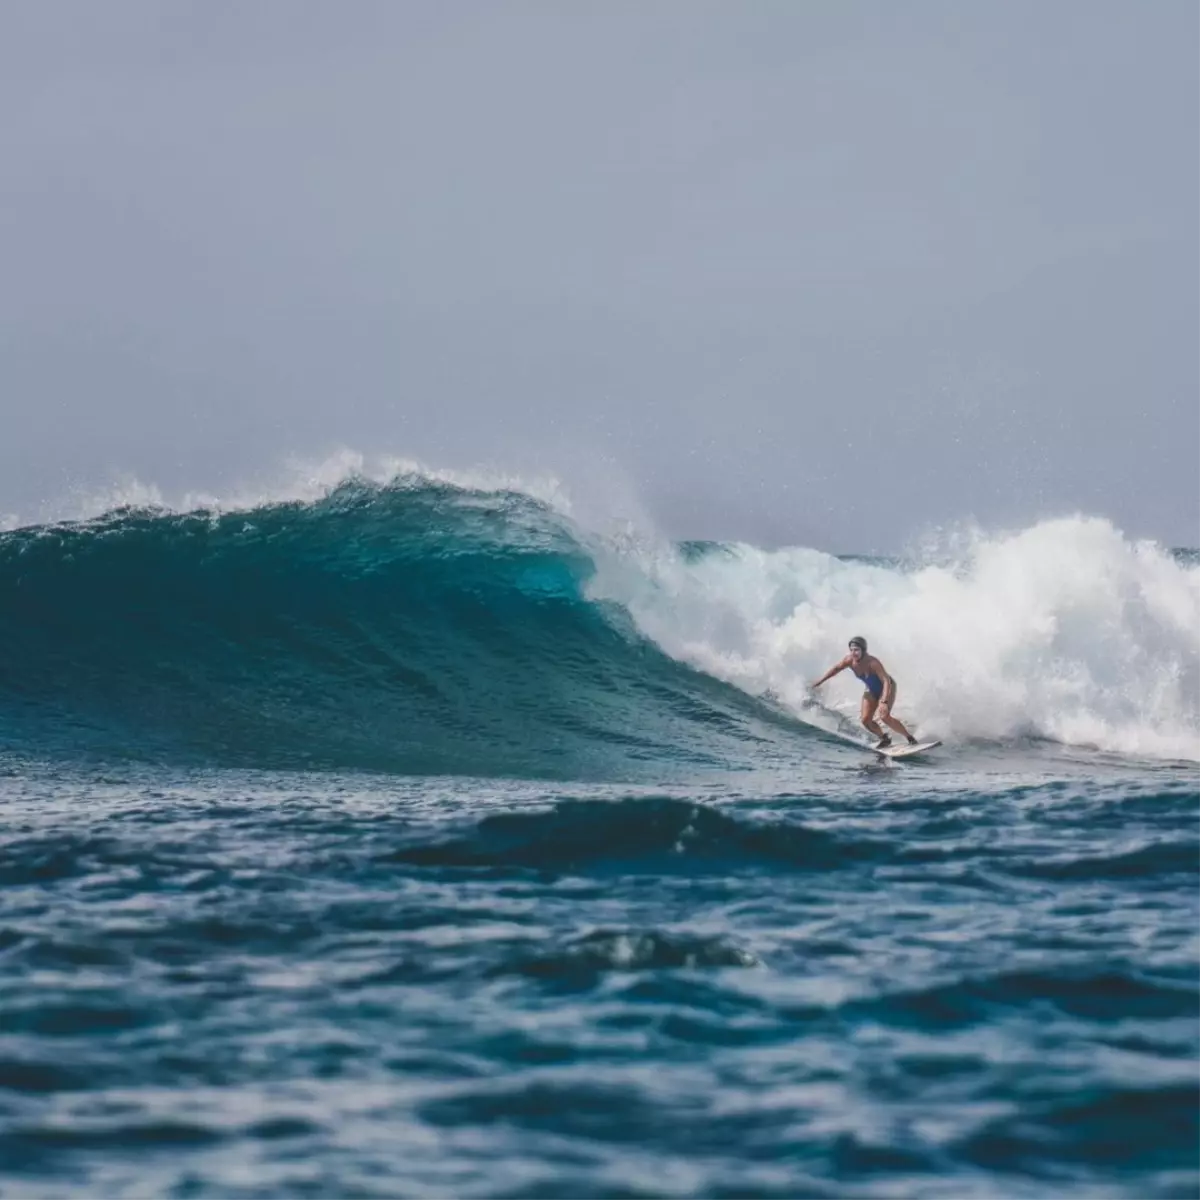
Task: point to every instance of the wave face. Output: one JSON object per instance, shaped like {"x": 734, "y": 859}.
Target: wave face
{"x": 414, "y": 626}
{"x": 424, "y": 627}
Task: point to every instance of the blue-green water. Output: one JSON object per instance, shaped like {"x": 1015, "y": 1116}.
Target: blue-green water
{"x": 388, "y": 845}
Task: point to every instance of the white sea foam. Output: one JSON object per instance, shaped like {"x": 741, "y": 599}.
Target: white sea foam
{"x": 1066, "y": 630}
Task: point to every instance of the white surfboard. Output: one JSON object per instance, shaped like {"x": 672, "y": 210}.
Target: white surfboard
{"x": 904, "y": 750}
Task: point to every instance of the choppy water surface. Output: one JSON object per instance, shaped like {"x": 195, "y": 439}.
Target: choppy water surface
{"x": 221, "y": 982}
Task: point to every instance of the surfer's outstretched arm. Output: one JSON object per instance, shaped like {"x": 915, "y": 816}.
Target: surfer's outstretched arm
{"x": 833, "y": 671}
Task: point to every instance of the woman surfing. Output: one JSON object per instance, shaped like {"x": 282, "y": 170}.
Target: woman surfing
{"x": 879, "y": 696}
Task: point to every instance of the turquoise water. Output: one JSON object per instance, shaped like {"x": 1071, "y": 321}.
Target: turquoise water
{"x": 397, "y": 843}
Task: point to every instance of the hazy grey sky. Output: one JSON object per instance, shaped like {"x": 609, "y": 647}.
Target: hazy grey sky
{"x": 825, "y": 273}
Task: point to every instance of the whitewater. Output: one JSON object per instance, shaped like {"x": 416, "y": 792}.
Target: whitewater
{"x": 1065, "y": 631}
{"x": 405, "y": 831}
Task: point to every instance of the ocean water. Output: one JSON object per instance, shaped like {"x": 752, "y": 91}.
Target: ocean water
{"x": 415, "y": 838}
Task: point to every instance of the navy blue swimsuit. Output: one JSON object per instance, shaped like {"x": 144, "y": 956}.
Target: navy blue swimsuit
{"x": 873, "y": 683}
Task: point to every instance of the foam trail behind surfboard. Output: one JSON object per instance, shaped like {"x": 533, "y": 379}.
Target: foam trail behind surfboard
{"x": 833, "y": 722}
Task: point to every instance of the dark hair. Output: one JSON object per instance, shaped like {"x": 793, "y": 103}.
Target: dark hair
{"x": 861, "y": 642}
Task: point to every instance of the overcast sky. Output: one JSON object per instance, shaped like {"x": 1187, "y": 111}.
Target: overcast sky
{"x": 794, "y": 272}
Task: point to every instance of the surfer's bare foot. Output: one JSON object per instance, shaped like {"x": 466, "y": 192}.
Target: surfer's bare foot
{"x": 912, "y": 741}
{"x": 884, "y": 742}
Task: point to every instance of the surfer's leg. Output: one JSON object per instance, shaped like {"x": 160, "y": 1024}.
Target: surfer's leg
{"x": 885, "y": 715}
{"x": 867, "y": 713}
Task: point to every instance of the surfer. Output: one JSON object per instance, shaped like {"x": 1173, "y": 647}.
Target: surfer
{"x": 879, "y": 696}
